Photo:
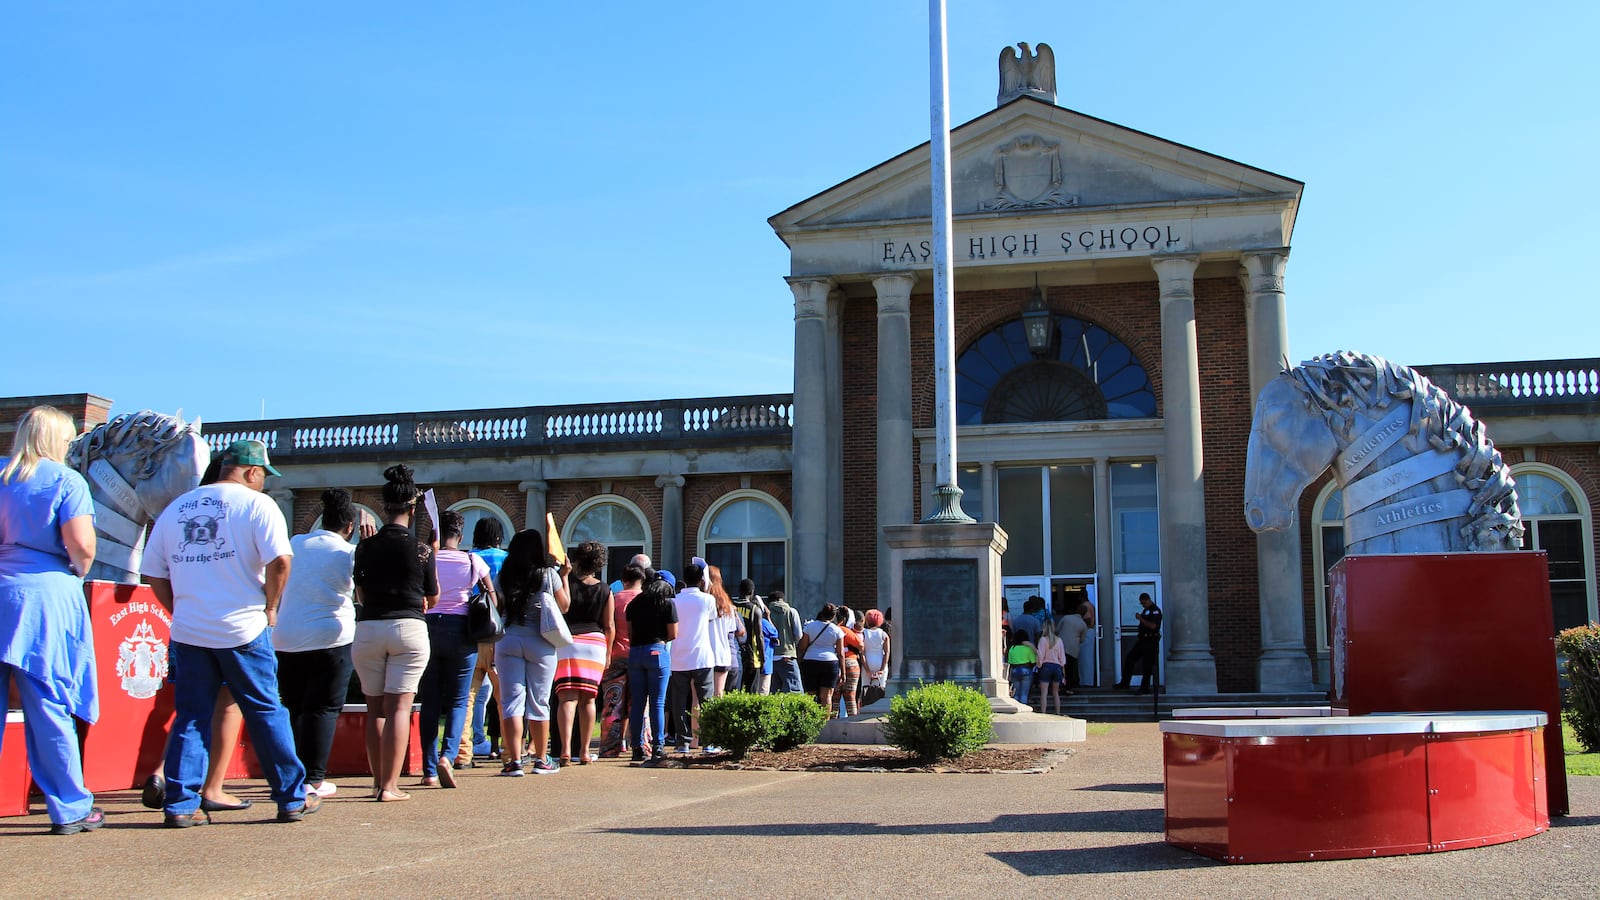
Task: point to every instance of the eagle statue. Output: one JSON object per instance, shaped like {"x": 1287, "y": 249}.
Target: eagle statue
{"x": 1032, "y": 74}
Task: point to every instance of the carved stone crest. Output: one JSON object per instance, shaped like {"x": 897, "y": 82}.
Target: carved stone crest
{"x": 1027, "y": 175}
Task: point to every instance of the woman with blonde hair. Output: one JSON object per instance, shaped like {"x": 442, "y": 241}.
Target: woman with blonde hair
{"x": 727, "y": 632}
{"x": 1052, "y": 665}
{"x": 47, "y": 543}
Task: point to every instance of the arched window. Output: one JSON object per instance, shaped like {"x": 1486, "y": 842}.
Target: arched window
{"x": 612, "y": 521}
{"x": 1091, "y": 375}
{"x": 1555, "y": 519}
{"x": 747, "y": 536}
{"x": 1327, "y": 548}
{"x": 474, "y": 509}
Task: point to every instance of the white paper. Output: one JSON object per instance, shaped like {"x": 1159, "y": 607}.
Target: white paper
{"x": 431, "y": 504}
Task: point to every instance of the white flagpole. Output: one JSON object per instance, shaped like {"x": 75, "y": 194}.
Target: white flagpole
{"x": 948, "y": 494}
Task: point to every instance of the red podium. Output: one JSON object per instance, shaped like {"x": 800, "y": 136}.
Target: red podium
{"x": 131, "y": 631}
{"x": 349, "y": 754}
{"x": 15, "y": 780}
{"x": 1453, "y": 632}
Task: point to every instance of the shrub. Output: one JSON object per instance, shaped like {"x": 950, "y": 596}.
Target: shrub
{"x": 939, "y": 721}
{"x": 790, "y": 720}
{"x": 1581, "y": 646}
{"x": 732, "y": 722}
{"x": 739, "y": 722}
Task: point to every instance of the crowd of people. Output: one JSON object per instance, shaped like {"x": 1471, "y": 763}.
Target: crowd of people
{"x": 269, "y": 632}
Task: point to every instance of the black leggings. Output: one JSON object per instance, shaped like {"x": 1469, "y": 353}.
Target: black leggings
{"x": 312, "y": 684}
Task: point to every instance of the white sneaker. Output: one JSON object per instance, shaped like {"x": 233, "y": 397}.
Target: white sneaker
{"x": 326, "y": 789}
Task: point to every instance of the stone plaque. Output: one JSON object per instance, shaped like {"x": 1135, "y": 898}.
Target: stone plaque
{"x": 941, "y": 608}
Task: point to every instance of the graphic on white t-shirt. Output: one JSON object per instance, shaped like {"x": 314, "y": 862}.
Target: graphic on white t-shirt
{"x": 203, "y": 522}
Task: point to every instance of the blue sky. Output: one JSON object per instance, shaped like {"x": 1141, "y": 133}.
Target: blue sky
{"x": 322, "y": 209}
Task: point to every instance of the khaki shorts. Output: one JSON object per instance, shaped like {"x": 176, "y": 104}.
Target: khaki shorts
{"x": 389, "y": 655}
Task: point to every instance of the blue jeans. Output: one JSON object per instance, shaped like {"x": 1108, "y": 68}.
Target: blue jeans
{"x": 480, "y": 709}
{"x": 649, "y": 671}
{"x": 446, "y": 682}
{"x": 1021, "y": 683}
{"x": 786, "y": 676}
{"x": 251, "y": 673}
{"x": 51, "y": 736}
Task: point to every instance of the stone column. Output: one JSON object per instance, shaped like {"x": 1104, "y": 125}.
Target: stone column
{"x": 896, "y": 502}
{"x": 1284, "y": 663}
{"x": 284, "y": 497}
{"x": 991, "y": 494}
{"x": 534, "y": 491}
{"x": 808, "y": 578}
{"x": 671, "y": 557}
{"x": 1191, "y": 669}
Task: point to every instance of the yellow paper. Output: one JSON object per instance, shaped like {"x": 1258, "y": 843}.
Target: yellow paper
{"x": 552, "y": 539}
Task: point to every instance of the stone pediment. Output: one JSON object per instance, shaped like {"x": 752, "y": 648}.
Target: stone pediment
{"x": 1031, "y": 157}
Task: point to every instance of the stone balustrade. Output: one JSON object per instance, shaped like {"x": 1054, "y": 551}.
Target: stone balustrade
{"x": 595, "y": 427}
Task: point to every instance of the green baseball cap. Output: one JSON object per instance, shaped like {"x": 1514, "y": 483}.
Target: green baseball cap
{"x": 250, "y": 453}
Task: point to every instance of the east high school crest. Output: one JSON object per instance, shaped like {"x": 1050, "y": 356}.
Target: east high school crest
{"x": 142, "y": 663}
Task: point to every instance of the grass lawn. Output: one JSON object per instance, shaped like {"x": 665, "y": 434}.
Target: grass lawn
{"x": 1098, "y": 728}
{"x": 1578, "y": 762}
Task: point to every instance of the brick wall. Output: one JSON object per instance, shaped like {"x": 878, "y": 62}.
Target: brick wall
{"x": 86, "y": 410}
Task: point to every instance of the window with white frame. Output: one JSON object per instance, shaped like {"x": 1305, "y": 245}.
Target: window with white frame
{"x": 615, "y": 522}
{"x": 747, "y": 536}
{"x": 473, "y": 510}
{"x": 1555, "y": 519}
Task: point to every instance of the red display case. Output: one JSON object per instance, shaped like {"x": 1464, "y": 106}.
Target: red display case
{"x": 15, "y": 779}
{"x": 131, "y": 633}
{"x": 1448, "y": 631}
{"x": 1283, "y": 790}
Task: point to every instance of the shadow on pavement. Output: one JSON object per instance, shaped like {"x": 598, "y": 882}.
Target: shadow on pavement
{"x": 1117, "y": 821}
{"x": 1154, "y": 856}
{"x": 1142, "y": 787}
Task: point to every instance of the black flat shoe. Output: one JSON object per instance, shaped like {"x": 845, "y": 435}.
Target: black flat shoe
{"x": 211, "y": 806}
{"x": 93, "y": 820}
{"x": 154, "y": 793}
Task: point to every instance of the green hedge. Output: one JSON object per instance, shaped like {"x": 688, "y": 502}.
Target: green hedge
{"x": 1581, "y": 646}
{"x": 939, "y": 721}
{"x": 739, "y": 722}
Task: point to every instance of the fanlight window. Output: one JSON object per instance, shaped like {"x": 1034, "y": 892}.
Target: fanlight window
{"x": 1092, "y": 376}
{"x": 615, "y": 525}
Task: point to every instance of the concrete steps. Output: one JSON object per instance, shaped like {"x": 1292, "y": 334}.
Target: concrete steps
{"x": 1108, "y": 705}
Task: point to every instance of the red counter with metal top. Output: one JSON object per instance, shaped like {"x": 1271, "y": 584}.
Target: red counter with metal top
{"x": 1281, "y": 790}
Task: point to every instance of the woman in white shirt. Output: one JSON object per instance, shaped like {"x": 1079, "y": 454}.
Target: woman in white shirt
{"x": 821, "y": 655}
{"x": 316, "y": 625}
{"x": 874, "y": 658}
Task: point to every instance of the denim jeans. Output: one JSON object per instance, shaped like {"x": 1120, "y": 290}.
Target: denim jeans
{"x": 786, "y": 675}
{"x": 50, "y": 734}
{"x": 313, "y": 684}
{"x": 445, "y": 684}
{"x": 1021, "y": 683}
{"x": 649, "y": 672}
{"x": 251, "y": 673}
{"x": 480, "y": 708}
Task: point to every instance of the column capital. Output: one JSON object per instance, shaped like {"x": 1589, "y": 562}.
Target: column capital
{"x": 1263, "y": 270}
{"x": 894, "y": 293}
{"x": 536, "y": 485}
{"x": 666, "y": 481}
{"x": 282, "y": 495}
{"x": 810, "y": 296}
{"x": 1176, "y": 276}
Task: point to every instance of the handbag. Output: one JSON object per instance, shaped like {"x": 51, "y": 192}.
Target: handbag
{"x": 485, "y": 625}
{"x": 552, "y": 625}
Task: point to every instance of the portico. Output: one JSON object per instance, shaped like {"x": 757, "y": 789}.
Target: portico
{"x": 1161, "y": 270}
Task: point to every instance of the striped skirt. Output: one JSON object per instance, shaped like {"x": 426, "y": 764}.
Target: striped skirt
{"x": 580, "y": 664}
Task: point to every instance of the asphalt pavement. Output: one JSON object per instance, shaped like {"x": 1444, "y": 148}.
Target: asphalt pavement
{"x": 1091, "y": 827}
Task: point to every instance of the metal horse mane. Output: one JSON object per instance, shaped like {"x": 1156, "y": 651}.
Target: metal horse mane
{"x": 1418, "y": 472}
{"x": 135, "y": 464}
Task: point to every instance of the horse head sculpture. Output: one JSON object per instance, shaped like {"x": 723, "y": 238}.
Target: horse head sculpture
{"x": 1418, "y": 472}
{"x": 135, "y": 464}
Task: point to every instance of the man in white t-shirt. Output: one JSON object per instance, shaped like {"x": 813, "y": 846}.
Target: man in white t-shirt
{"x": 693, "y": 653}
{"x": 218, "y": 557}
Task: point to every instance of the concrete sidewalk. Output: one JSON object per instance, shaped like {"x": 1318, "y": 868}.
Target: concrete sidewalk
{"x": 1091, "y": 828}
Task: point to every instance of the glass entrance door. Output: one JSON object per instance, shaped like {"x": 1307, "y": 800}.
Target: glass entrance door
{"x": 1128, "y": 589}
{"x": 1067, "y": 595}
